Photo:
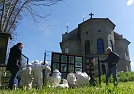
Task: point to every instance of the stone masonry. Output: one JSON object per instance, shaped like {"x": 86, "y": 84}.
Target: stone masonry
{"x": 91, "y": 30}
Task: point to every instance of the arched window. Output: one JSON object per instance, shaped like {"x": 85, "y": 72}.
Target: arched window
{"x": 111, "y": 45}
{"x": 87, "y": 47}
{"x": 100, "y": 46}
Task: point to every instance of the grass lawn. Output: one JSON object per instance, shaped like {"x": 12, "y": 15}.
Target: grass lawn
{"x": 122, "y": 88}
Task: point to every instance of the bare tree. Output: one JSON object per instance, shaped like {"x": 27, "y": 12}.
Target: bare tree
{"x": 10, "y": 12}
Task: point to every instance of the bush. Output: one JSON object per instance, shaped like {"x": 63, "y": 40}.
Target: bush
{"x": 126, "y": 76}
{"x": 122, "y": 77}
{"x": 103, "y": 79}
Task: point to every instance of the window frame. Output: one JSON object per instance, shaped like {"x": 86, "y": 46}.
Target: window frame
{"x": 87, "y": 47}
{"x": 111, "y": 44}
{"x": 100, "y": 50}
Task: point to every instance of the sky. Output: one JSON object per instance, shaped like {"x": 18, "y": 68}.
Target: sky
{"x": 38, "y": 40}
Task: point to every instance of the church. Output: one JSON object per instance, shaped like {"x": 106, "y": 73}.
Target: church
{"x": 92, "y": 37}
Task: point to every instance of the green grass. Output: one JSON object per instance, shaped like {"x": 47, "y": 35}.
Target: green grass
{"x": 122, "y": 88}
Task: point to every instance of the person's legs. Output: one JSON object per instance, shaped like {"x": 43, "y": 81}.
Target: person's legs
{"x": 104, "y": 72}
{"x": 114, "y": 71}
{"x": 108, "y": 75}
{"x": 14, "y": 78}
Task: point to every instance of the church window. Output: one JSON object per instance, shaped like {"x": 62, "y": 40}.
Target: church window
{"x": 66, "y": 50}
{"x": 111, "y": 44}
{"x": 87, "y": 47}
{"x": 100, "y": 46}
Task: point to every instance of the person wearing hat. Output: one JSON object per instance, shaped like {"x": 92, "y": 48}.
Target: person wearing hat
{"x": 13, "y": 64}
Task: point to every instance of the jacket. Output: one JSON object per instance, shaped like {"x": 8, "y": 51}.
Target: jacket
{"x": 112, "y": 58}
{"x": 14, "y": 55}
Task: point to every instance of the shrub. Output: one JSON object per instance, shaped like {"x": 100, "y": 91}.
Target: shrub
{"x": 122, "y": 77}
{"x": 103, "y": 79}
{"x": 126, "y": 76}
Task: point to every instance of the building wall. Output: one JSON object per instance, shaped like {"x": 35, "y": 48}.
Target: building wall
{"x": 123, "y": 65}
{"x": 121, "y": 48}
{"x": 73, "y": 45}
{"x": 93, "y": 31}
{"x": 98, "y": 29}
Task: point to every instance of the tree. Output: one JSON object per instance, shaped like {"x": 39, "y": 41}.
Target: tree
{"x": 10, "y": 12}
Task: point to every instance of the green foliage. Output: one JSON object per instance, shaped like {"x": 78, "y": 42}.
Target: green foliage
{"x": 125, "y": 76}
{"x": 103, "y": 79}
{"x": 122, "y": 77}
{"x": 123, "y": 88}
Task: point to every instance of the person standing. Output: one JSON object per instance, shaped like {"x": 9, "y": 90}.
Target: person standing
{"x": 13, "y": 64}
{"x": 103, "y": 66}
{"x": 112, "y": 60}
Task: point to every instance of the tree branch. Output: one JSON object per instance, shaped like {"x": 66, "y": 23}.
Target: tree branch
{"x": 16, "y": 16}
{"x": 10, "y": 16}
{"x": 46, "y": 4}
{"x": 2, "y": 16}
{"x": 7, "y": 14}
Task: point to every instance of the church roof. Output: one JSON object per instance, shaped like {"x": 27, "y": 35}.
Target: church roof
{"x": 124, "y": 39}
{"x": 73, "y": 35}
{"x": 120, "y": 37}
{"x": 117, "y": 36}
{"x": 92, "y": 19}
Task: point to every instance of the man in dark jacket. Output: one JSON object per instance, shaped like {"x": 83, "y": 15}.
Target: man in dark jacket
{"x": 14, "y": 64}
{"x": 112, "y": 60}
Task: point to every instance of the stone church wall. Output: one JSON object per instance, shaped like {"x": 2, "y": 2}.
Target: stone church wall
{"x": 92, "y": 30}
{"x": 73, "y": 45}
